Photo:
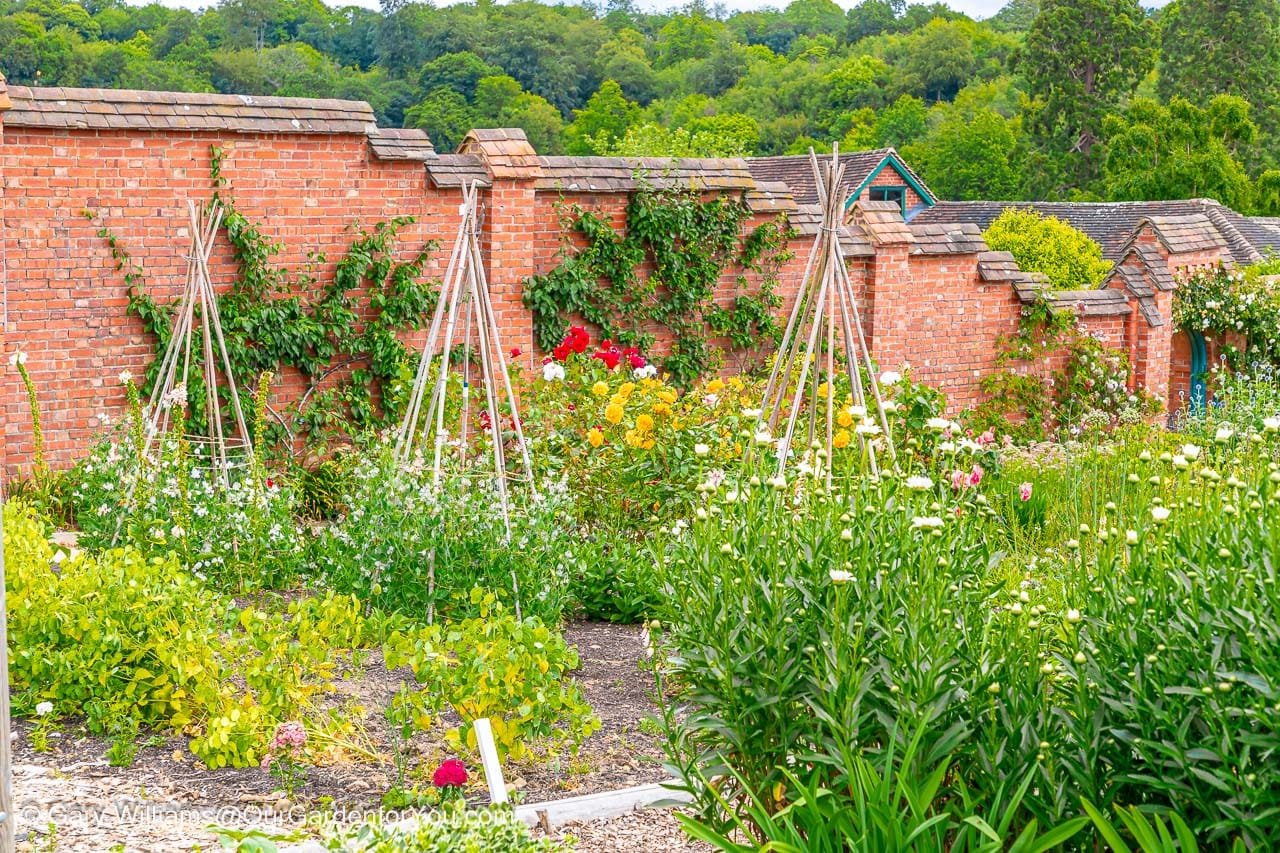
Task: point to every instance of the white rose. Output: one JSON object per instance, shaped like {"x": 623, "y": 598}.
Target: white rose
{"x": 552, "y": 372}
{"x": 44, "y": 709}
{"x": 890, "y": 378}
{"x": 701, "y": 449}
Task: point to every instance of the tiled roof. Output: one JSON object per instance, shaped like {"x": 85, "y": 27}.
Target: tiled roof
{"x": 882, "y": 220}
{"x": 454, "y": 170}
{"x": 807, "y": 221}
{"x": 960, "y": 237}
{"x": 797, "y": 171}
{"x": 506, "y": 152}
{"x": 624, "y": 174}
{"x": 393, "y": 143}
{"x": 124, "y": 109}
{"x": 1182, "y": 224}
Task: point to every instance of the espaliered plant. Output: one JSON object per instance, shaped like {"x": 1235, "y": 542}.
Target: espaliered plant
{"x": 685, "y": 244}
{"x": 272, "y": 321}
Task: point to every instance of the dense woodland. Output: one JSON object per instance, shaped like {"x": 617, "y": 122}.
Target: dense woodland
{"x": 1075, "y": 99}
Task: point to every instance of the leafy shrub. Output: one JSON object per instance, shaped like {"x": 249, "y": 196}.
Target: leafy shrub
{"x": 1046, "y": 244}
{"x": 490, "y": 830}
{"x": 493, "y": 665}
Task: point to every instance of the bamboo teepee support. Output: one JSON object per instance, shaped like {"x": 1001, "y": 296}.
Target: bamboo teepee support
{"x": 464, "y": 295}
{"x": 176, "y": 370}
{"x": 825, "y": 313}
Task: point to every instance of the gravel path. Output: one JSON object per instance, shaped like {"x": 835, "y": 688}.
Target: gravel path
{"x": 648, "y": 831}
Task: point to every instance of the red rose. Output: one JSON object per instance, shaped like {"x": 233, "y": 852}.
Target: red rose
{"x": 610, "y": 357}
{"x": 636, "y": 360}
{"x": 271, "y": 484}
{"x": 578, "y": 339}
{"x": 515, "y": 352}
{"x": 450, "y": 774}
{"x": 561, "y": 352}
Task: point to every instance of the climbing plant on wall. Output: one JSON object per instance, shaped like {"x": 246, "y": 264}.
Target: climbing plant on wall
{"x": 1243, "y": 301}
{"x": 346, "y": 329}
{"x": 659, "y": 274}
{"x": 1088, "y": 390}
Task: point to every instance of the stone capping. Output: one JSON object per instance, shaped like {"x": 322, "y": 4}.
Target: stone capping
{"x": 393, "y": 143}
{"x": 126, "y": 109}
{"x": 626, "y": 174}
{"x": 1184, "y": 234}
{"x": 455, "y": 170}
{"x": 1092, "y": 303}
{"x": 882, "y": 221}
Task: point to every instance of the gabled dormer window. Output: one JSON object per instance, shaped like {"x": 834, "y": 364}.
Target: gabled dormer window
{"x": 897, "y": 194}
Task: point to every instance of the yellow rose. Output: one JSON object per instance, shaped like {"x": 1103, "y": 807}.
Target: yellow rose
{"x": 667, "y": 396}
{"x": 600, "y": 389}
{"x": 633, "y": 438}
{"x": 844, "y": 418}
{"x": 715, "y": 386}
{"x": 627, "y": 388}
{"x": 644, "y": 423}
{"x": 840, "y": 439}
{"x": 648, "y": 444}
{"x": 822, "y": 390}
{"x": 595, "y": 437}
{"x": 661, "y": 409}
{"x": 613, "y": 413}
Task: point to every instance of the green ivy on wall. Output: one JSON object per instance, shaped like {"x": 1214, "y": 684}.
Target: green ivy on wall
{"x": 660, "y": 273}
{"x": 275, "y": 317}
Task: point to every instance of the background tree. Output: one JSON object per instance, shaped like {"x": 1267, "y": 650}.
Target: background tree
{"x": 1224, "y": 47}
{"x": 1080, "y": 60}
{"x": 968, "y": 157}
{"x": 1180, "y": 151}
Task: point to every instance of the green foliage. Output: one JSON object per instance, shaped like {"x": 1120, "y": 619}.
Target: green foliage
{"x": 124, "y": 651}
{"x": 1046, "y": 244}
{"x": 687, "y": 243}
{"x": 494, "y": 665}
{"x": 968, "y": 157}
{"x": 1243, "y": 302}
{"x": 854, "y": 669}
{"x": 239, "y": 533}
{"x": 271, "y": 322}
{"x": 491, "y": 830}
{"x": 1180, "y": 151}
{"x": 602, "y": 122}
{"x": 1211, "y": 47}
{"x": 405, "y": 546}
{"x": 1075, "y": 78}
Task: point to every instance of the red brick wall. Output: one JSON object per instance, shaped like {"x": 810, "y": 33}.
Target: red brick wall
{"x": 889, "y": 177}
{"x": 66, "y": 303}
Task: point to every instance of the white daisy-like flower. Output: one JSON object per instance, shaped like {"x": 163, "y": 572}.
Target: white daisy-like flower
{"x": 919, "y": 483}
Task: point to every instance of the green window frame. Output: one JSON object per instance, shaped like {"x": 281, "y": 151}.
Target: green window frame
{"x": 890, "y": 192}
